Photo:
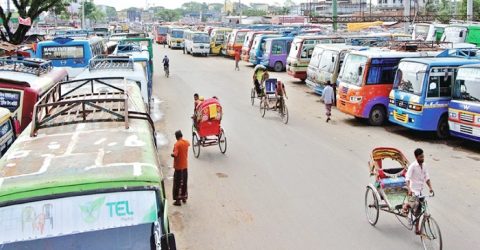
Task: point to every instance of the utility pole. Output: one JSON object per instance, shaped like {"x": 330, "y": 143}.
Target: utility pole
{"x": 241, "y": 12}
{"x": 83, "y": 14}
{"x": 469, "y": 10}
{"x": 334, "y": 15}
{"x": 406, "y": 15}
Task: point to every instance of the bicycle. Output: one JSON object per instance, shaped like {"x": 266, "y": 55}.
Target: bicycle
{"x": 166, "y": 68}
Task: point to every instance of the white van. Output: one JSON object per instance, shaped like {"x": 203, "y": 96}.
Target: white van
{"x": 196, "y": 42}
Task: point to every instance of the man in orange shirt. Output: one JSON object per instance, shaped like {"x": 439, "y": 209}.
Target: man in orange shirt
{"x": 180, "y": 164}
{"x": 237, "y": 59}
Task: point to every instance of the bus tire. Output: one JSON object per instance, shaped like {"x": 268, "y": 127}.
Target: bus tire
{"x": 278, "y": 67}
{"x": 443, "y": 132}
{"x": 377, "y": 115}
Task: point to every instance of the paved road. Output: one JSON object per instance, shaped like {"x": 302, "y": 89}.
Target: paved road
{"x": 301, "y": 185}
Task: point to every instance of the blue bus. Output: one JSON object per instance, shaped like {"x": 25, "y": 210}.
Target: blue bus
{"x": 276, "y": 53}
{"x": 258, "y": 48}
{"x": 73, "y": 54}
{"x": 422, "y": 91}
{"x": 78, "y": 33}
{"x": 464, "y": 108}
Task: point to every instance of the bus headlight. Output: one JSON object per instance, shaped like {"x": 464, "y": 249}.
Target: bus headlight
{"x": 453, "y": 114}
{"x": 477, "y": 121}
{"x": 415, "y": 107}
{"x": 392, "y": 101}
{"x": 356, "y": 99}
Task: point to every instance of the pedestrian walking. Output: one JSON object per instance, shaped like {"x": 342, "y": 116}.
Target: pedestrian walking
{"x": 328, "y": 98}
{"x": 180, "y": 164}
{"x": 237, "y": 59}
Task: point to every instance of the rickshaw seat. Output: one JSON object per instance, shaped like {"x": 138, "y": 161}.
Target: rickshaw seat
{"x": 392, "y": 182}
{"x": 391, "y": 172}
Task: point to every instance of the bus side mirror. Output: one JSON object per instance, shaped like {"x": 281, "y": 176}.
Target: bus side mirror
{"x": 360, "y": 70}
{"x": 463, "y": 88}
{"x": 168, "y": 242}
{"x": 333, "y": 59}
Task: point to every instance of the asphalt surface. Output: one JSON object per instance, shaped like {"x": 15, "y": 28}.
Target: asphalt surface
{"x": 300, "y": 185}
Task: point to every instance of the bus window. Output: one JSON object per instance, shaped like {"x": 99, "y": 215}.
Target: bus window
{"x": 277, "y": 48}
{"x": 382, "y": 71}
{"x": 306, "y": 53}
{"x": 63, "y": 52}
{"x": 440, "y": 86}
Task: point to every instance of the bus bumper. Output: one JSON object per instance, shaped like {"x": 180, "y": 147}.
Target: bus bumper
{"x": 464, "y": 131}
{"x": 302, "y": 75}
{"x": 409, "y": 119}
{"x": 317, "y": 89}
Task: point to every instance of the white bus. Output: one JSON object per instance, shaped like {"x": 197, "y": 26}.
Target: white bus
{"x": 196, "y": 42}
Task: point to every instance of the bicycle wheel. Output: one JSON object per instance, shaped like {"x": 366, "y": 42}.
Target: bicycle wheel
{"x": 431, "y": 235}
{"x": 222, "y": 142}
{"x": 284, "y": 112}
{"x": 372, "y": 208}
{"x": 195, "y": 145}
{"x": 252, "y": 96}
{"x": 263, "y": 106}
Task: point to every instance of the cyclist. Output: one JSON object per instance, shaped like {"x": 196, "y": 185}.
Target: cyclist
{"x": 166, "y": 63}
{"x": 280, "y": 92}
{"x": 416, "y": 177}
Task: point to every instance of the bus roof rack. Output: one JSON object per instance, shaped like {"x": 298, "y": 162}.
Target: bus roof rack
{"x": 84, "y": 101}
{"x": 111, "y": 62}
{"x": 414, "y": 45}
{"x": 466, "y": 53}
{"x": 32, "y": 66}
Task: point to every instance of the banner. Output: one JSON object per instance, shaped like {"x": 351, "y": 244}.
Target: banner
{"x": 26, "y": 22}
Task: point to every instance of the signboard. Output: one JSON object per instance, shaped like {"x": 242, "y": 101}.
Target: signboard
{"x": 78, "y": 214}
{"x": 10, "y": 99}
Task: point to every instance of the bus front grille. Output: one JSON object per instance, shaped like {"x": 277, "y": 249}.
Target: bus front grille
{"x": 466, "y": 117}
{"x": 466, "y": 129}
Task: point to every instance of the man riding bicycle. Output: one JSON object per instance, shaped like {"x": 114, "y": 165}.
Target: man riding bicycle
{"x": 416, "y": 177}
{"x": 166, "y": 63}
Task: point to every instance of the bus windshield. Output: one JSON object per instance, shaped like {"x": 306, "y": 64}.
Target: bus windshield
{"x": 240, "y": 37}
{"x": 177, "y": 34}
{"x": 162, "y": 30}
{"x": 62, "y": 52}
{"x": 295, "y": 48}
{"x": 410, "y": 76}
{"x": 467, "y": 85}
{"x": 421, "y": 31}
{"x": 247, "y": 41}
{"x": 353, "y": 69}
{"x": 201, "y": 39}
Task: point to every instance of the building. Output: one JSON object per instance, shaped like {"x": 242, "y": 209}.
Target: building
{"x": 324, "y": 7}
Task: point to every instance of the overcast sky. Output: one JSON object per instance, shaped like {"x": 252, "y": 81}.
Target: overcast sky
{"x": 171, "y": 4}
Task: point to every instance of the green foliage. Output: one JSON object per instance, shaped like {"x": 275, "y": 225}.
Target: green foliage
{"x": 253, "y": 12}
{"x": 168, "y": 15}
{"x": 194, "y": 7}
{"x": 462, "y": 10}
{"x": 32, "y": 9}
{"x": 111, "y": 13}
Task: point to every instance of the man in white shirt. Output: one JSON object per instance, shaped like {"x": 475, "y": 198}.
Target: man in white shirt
{"x": 416, "y": 177}
{"x": 328, "y": 98}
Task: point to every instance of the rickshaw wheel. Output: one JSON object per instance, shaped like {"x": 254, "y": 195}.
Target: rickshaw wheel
{"x": 195, "y": 145}
{"x": 222, "y": 142}
{"x": 263, "y": 106}
{"x": 252, "y": 96}
{"x": 431, "y": 235}
{"x": 284, "y": 113}
{"x": 372, "y": 208}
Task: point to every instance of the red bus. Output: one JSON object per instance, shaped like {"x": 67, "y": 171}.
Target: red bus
{"x": 247, "y": 43}
{"x": 23, "y": 82}
{"x": 235, "y": 41}
{"x": 160, "y": 33}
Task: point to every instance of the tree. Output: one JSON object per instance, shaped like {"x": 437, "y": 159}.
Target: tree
{"x": 167, "y": 15}
{"x": 26, "y": 9}
{"x": 463, "y": 9}
{"x": 445, "y": 13}
{"x": 111, "y": 13}
{"x": 253, "y": 12}
{"x": 217, "y": 7}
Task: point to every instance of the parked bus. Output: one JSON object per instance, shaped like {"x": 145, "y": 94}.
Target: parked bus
{"x": 121, "y": 66}
{"x": 101, "y": 31}
{"x": 77, "y": 33}
{"x": 71, "y": 54}
{"x": 301, "y": 52}
{"x": 462, "y": 36}
{"x": 276, "y": 52}
{"x": 258, "y": 48}
{"x": 87, "y": 177}
{"x": 325, "y": 64}
{"x": 464, "y": 108}
{"x": 235, "y": 41}
{"x": 196, "y": 43}
{"x": 428, "y": 32}
{"x": 248, "y": 42}
{"x": 365, "y": 80}
{"x": 160, "y": 33}
{"x": 8, "y": 130}
{"x": 175, "y": 38}
{"x": 422, "y": 91}
{"x": 218, "y": 39}
{"x": 23, "y": 82}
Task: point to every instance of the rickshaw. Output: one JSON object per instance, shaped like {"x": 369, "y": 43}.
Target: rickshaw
{"x": 253, "y": 91}
{"x": 206, "y": 130}
{"x": 388, "y": 193}
{"x": 271, "y": 101}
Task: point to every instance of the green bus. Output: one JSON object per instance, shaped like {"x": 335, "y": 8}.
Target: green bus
{"x": 85, "y": 173}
